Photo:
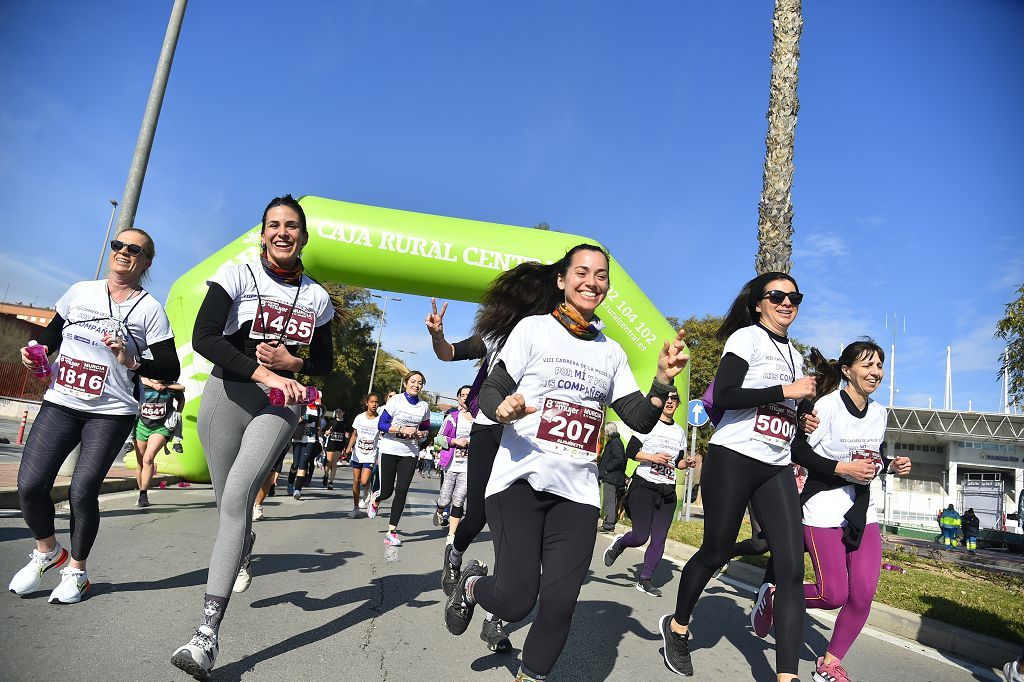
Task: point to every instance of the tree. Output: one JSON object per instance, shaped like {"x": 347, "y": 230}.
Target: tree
{"x": 1011, "y": 330}
{"x": 775, "y": 211}
{"x": 542, "y": 226}
{"x": 705, "y": 353}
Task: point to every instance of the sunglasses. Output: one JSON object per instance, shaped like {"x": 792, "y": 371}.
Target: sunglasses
{"x": 133, "y": 249}
{"x": 777, "y": 297}
{"x": 672, "y": 398}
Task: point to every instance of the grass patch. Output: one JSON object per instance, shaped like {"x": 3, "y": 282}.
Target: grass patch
{"x": 975, "y": 599}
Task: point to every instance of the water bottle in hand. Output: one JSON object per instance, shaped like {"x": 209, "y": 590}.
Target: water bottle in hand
{"x": 277, "y": 396}
{"x": 38, "y": 355}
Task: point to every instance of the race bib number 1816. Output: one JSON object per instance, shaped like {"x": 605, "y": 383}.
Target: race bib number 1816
{"x": 79, "y": 378}
{"x": 570, "y": 429}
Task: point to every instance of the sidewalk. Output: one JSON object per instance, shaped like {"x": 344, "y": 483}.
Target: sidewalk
{"x": 118, "y": 479}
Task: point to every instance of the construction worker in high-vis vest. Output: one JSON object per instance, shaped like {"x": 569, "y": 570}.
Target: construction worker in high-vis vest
{"x": 949, "y": 521}
{"x": 972, "y": 527}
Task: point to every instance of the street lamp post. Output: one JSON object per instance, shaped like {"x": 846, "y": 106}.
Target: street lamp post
{"x": 405, "y": 353}
{"x": 380, "y": 333}
{"x": 103, "y": 250}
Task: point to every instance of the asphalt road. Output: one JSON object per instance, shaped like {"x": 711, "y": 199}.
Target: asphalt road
{"x": 326, "y": 603}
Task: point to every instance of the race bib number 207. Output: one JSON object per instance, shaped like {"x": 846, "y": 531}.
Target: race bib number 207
{"x": 570, "y": 429}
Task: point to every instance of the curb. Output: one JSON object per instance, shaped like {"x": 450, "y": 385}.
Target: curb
{"x": 929, "y": 632}
{"x": 9, "y": 494}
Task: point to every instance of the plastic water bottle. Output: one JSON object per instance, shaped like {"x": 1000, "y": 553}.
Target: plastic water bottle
{"x": 893, "y": 567}
{"x": 277, "y": 396}
{"x": 42, "y": 364}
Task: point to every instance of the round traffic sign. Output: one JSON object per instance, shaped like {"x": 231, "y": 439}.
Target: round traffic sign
{"x": 696, "y": 415}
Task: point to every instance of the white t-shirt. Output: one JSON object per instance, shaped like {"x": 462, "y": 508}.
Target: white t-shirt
{"x": 663, "y": 438}
{"x": 460, "y": 456}
{"x": 86, "y": 375}
{"x": 765, "y": 432}
{"x": 569, "y": 381}
{"x": 364, "y": 451}
{"x": 843, "y": 437}
{"x": 403, "y": 413}
{"x": 293, "y": 312}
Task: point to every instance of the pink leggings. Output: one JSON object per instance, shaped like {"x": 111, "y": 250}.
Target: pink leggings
{"x": 847, "y": 580}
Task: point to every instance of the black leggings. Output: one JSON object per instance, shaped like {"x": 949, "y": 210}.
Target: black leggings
{"x": 729, "y": 481}
{"x": 55, "y": 433}
{"x": 533, "y": 529}
{"x": 484, "y": 440}
{"x": 755, "y": 545}
{"x": 396, "y": 477}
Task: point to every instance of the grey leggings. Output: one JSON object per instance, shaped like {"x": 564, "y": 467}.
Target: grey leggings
{"x": 242, "y": 435}
{"x": 453, "y": 492}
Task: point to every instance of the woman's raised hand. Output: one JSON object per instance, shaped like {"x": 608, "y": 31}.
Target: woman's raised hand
{"x": 435, "y": 320}
{"x": 673, "y": 358}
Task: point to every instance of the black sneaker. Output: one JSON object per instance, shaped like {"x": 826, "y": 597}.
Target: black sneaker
{"x": 330, "y": 485}
{"x": 325, "y": 481}
{"x": 677, "y": 648}
{"x": 458, "y": 611}
{"x": 645, "y": 586}
{"x": 613, "y": 551}
{"x": 493, "y": 632}
{"x": 143, "y": 500}
{"x": 177, "y": 448}
{"x": 449, "y": 573}
{"x": 438, "y": 516}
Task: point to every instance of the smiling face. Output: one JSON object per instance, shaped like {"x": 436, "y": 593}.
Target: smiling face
{"x": 414, "y": 384}
{"x": 777, "y": 316}
{"x": 865, "y": 375}
{"x": 586, "y": 282}
{"x": 126, "y": 266}
{"x": 283, "y": 236}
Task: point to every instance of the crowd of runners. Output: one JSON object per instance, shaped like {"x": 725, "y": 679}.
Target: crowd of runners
{"x": 518, "y": 453}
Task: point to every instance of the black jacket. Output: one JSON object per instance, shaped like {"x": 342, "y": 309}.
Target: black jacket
{"x": 612, "y": 467}
{"x": 971, "y": 524}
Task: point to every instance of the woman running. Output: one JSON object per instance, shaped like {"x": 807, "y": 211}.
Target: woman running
{"x": 362, "y": 451}
{"x": 251, "y": 324}
{"x": 551, "y": 382}
{"x": 840, "y": 520}
{"x": 100, "y": 332}
{"x": 652, "y": 495}
{"x": 159, "y": 401}
{"x": 455, "y": 432}
{"x": 304, "y": 442}
{"x": 335, "y": 447}
{"x": 403, "y": 423}
{"x": 759, "y": 384}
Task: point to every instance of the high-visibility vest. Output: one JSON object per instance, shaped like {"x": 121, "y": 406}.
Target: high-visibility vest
{"x": 949, "y": 519}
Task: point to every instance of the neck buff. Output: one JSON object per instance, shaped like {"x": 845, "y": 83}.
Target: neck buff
{"x": 279, "y": 274}
{"x": 575, "y": 324}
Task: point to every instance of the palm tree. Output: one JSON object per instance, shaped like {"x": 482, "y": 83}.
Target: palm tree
{"x": 775, "y": 212}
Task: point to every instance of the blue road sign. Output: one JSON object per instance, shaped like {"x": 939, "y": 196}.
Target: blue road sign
{"x": 696, "y": 415}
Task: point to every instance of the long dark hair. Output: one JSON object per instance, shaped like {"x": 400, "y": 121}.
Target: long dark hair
{"x": 742, "y": 312}
{"x": 829, "y": 373}
{"x": 528, "y": 289}
{"x": 289, "y": 201}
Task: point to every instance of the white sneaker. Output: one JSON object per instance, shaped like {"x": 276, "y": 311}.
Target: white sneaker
{"x": 257, "y": 512}
{"x": 297, "y": 494}
{"x": 29, "y": 578}
{"x": 244, "y": 577}
{"x": 362, "y": 503}
{"x": 73, "y": 584}
{"x": 1011, "y": 674}
{"x": 372, "y": 506}
{"x": 197, "y": 657}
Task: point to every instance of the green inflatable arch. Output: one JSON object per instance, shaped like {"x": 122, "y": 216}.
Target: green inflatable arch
{"x": 412, "y": 253}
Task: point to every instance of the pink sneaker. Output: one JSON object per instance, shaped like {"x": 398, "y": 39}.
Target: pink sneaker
{"x": 761, "y": 616}
{"x": 830, "y": 672}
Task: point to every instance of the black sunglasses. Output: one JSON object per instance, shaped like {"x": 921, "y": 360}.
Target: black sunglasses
{"x": 777, "y": 297}
{"x": 133, "y": 249}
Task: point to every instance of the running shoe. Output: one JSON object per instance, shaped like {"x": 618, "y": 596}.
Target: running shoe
{"x": 523, "y": 676}
{"x": 143, "y": 500}
{"x": 324, "y": 480}
{"x": 297, "y": 494}
{"x": 73, "y": 584}
{"x": 493, "y": 632}
{"x": 29, "y": 578}
{"x": 829, "y": 672}
{"x": 257, "y": 512}
{"x": 244, "y": 577}
{"x": 197, "y": 657}
{"x": 677, "y": 648}
{"x": 458, "y": 610}
{"x": 1011, "y": 673}
{"x": 761, "y": 615}
{"x": 644, "y": 585}
{"x": 391, "y": 539}
{"x": 330, "y": 485}
{"x": 177, "y": 447}
{"x": 362, "y": 502}
{"x": 438, "y": 517}
{"x": 613, "y": 551}
{"x": 449, "y": 572}
{"x": 372, "y": 505}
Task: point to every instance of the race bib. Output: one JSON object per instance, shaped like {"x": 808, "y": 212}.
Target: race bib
{"x": 79, "y": 378}
{"x": 775, "y": 424}
{"x": 875, "y": 458}
{"x": 153, "y": 411}
{"x": 569, "y": 429}
{"x": 364, "y": 446}
{"x": 665, "y": 472}
{"x": 275, "y": 320}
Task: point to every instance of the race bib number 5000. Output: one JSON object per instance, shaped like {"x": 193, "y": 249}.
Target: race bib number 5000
{"x": 570, "y": 429}
{"x": 78, "y": 378}
{"x": 775, "y": 424}
{"x": 275, "y": 320}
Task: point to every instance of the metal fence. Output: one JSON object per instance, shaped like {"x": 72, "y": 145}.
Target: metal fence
{"x": 18, "y": 382}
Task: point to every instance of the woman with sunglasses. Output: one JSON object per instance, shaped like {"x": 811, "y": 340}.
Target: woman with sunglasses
{"x": 759, "y": 384}
{"x": 100, "y": 332}
{"x": 251, "y": 325}
{"x": 651, "y": 501}
{"x": 552, "y": 380}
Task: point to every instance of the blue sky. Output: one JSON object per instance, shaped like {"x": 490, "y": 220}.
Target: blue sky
{"x": 638, "y": 124}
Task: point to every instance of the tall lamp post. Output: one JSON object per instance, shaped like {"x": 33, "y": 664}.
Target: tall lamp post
{"x": 380, "y": 332}
{"x": 103, "y": 250}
